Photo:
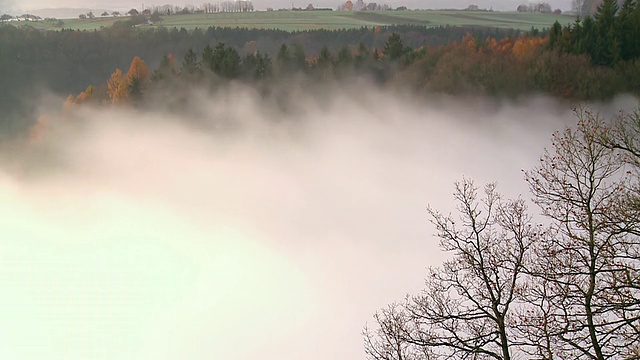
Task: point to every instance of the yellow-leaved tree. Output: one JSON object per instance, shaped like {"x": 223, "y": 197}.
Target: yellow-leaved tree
{"x": 526, "y": 47}
{"x": 117, "y": 87}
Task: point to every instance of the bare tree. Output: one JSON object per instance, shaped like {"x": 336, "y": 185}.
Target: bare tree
{"x": 467, "y": 307}
{"x": 591, "y": 263}
{"x": 515, "y": 290}
{"x": 578, "y": 7}
{"x": 390, "y": 340}
{"x": 624, "y": 136}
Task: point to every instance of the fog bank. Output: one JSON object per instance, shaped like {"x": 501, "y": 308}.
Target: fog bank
{"x": 262, "y": 234}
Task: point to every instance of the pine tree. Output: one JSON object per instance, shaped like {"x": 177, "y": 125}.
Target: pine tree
{"x": 325, "y": 60}
{"x": 345, "y": 58}
{"x": 284, "y": 57}
{"x": 222, "y": 60}
{"x": 190, "y": 62}
{"x": 393, "y": 47}
{"x": 263, "y": 68}
{"x": 607, "y": 43}
{"x": 298, "y": 57}
{"x": 588, "y": 36}
{"x": 361, "y": 56}
{"x": 555, "y": 34}
{"x": 627, "y": 29}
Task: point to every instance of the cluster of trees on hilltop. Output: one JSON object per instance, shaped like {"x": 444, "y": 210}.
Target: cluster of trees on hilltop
{"x": 541, "y": 7}
{"x": 516, "y": 289}
{"x": 23, "y": 17}
{"x": 360, "y": 5}
{"x": 154, "y": 12}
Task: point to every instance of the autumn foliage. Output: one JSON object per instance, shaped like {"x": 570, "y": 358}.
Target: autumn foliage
{"x": 510, "y": 66}
{"x": 117, "y": 87}
{"x": 138, "y": 71}
{"x": 121, "y": 88}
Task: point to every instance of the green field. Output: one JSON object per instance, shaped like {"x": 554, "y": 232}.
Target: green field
{"x": 305, "y": 20}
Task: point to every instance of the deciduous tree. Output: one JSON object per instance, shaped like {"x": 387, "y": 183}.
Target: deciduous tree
{"x": 514, "y": 290}
{"x": 117, "y": 87}
{"x": 137, "y": 77}
{"x": 466, "y": 309}
{"x": 581, "y": 186}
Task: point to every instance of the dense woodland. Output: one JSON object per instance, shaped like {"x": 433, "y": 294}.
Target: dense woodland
{"x": 609, "y": 37}
{"x": 590, "y": 59}
{"x": 66, "y": 62}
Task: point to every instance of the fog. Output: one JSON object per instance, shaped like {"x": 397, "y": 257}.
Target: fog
{"x": 244, "y": 232}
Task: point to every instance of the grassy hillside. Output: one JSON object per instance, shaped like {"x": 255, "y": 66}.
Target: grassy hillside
{"x": 303, "y": 20}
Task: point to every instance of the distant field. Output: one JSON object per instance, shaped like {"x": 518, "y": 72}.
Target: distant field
{"x": 305, "y": 20}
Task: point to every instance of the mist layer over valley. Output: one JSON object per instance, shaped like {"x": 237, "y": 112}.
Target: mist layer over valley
{"x": 235, "y": 229}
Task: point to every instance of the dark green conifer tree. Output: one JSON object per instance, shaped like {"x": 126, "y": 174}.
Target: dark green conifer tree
{"x": 607, "y": 49}
{"x": 393, "y": 47}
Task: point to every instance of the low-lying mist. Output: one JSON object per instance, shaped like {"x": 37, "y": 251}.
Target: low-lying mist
{"x": 251, "y": 233}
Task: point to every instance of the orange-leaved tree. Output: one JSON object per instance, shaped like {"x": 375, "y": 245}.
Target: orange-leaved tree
{"x": 526, "y": 47}
{"x": 137, "y": 76}
{"x": 86, "y": 95}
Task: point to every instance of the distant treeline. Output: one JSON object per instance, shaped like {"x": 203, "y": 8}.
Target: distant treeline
{"x": 65, "y": 61}
{"x": 509, "y": 67}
